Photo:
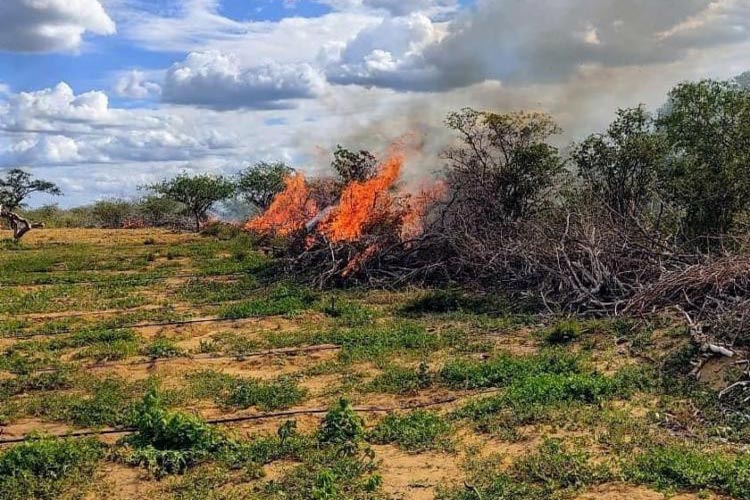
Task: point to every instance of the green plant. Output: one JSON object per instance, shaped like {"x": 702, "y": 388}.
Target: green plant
{"x": 677, "y": 467}
{"x": 163, "y": 348}
{"x": 43, "y": 468}
{"x": 415, "y": 432}
{"x": 563, "y": 332}
{"x": 168, "y": 442}
{"x": 342, "y": 427}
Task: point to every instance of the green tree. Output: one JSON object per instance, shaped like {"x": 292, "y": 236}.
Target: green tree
{"x": 197, "y": 193}
{"x": 621, "y": 165}
{"x": 157, "y": 210}
{"x": 353, "y": 166}
{"x": 17, "y": 185}
{"x": 259, "y": 183}
{"x": 707, "y": 126}
{"x": 503, "y": 168}
{"x": 111, "y": 213}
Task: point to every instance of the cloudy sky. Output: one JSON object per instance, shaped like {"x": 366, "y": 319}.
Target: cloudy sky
{"x": 103, "y": 95}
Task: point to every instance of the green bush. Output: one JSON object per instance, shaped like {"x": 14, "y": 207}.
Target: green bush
{"x": 168, "y": 442}
{"x": 342, "y": 427}
{"x": 563, "y": 332}
{"x": 505, "y": 368}
{"x": 685, "y": 468}
{"x": 415, "y": 432}
{"x": 43, "y": 468}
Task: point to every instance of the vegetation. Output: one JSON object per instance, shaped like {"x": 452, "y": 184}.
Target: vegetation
{"x": 197, "y": 193}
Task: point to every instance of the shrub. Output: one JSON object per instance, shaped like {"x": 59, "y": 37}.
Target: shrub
{"x": 563, "y": 332}
{"x": 342, "y": 427}
{"x": 168, "y": 442}
{"x": 415, "y": 432}
{"x": 680, "y": 467}
{"x": 43, "y": 468}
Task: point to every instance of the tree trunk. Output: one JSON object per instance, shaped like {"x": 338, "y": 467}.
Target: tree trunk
{"x": 197, "y": 222}
{"x": 18, "y": 224}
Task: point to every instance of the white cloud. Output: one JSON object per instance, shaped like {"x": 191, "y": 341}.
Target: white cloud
{"x": 529, "y": 42}
{"x": 404, "y": 7}
{"x": 390, "y": 54}
{"x": 50, "y": 25}
{"x": 217, "y": 80}
{"x": 135, "y": 85}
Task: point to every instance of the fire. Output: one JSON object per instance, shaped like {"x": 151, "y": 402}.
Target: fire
{"x": 364, "y": 202}
{"x": 412, "y": 223}
{"x": 289, "y": 211}
{"x": 362, "y": 221}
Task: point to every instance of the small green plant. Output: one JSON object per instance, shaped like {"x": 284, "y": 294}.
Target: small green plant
{"x": 402, "y": 380}
{"x": 414, "y": 432}
{"x": 342, "y": 427}
{"x": 563, "y": 332}
{"x": 168, "y": 442}
{"x": 556, "y": 467}
{"x": 163, "y": 348}
{"x": 266, "y": 395}
{"x": 43, "y": 468}
{"x": 677, "y": 467}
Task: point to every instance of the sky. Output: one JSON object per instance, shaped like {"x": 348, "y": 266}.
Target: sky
{"x": 101, "y": 96}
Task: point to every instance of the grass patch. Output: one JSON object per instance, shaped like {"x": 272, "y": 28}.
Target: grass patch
{"x": 414, "y": 432}
{"x": 44, "y": 468}
{"x": 240, "y": 392}
{"x": 675, "y": 468}
{"x": 395, "y": 379}
{"x": 281, "y": 300}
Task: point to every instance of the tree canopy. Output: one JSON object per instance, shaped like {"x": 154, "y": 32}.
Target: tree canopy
{"x": 197, "y": 193}
{"x": 18, "y": 184}
{"x": 259, "y": 183}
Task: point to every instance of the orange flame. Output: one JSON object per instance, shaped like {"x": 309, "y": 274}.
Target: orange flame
{"x": 289, "y": 211}
{"x": 412, "y": 223}
{"x": 363, "y": 202}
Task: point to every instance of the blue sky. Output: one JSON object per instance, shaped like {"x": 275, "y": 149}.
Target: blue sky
{"x": 104, "y": 95}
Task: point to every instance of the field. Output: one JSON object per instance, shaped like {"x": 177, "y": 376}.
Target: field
{"x": 182, "y": 368}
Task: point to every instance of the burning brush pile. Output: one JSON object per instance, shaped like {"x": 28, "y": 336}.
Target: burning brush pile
{"x": 370, "y": 231}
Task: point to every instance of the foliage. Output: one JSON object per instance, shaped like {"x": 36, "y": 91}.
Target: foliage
{"x": 43, "y": 468}
{"x": 168, "y": 442}
{"x": 162, "y": 347}
{"x": 563, "y": 332}
{"x": 259, "y": 183}
{"x": 680, "y": 467}
{"x": 197, "y": 193}
{"x": 620, "y": 167}
{"x": 17, "y": 185}
{"x": 503, "y": 169}
{"x": 111, "y": 213}
{"x": 353, "y": 166}
{"x": 415, "y": 432}
{"x": 342, "y": 427}
{"x": 707, "y": 125}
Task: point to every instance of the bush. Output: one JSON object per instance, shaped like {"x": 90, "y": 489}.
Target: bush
{"x": 168, "y": 442}
{"x": 680, "y": 467}
{"x": 415, "y": 432}
{"x": 563, "y": 332}
{"x": 342, "y": 427}
{"x": 43, "y": 468}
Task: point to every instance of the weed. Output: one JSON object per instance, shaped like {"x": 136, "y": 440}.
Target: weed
{"x": 396, "y": 379}
{"x": 678, "y": 467}
{"x": 414, "y": 432}
{"x": 168, "y": 442}
{"x": 563, "y": 332}
{"x": 342, "y": 427}
{"x": 265, "y": 395}
{"x": 162, "y": 347}
{"x": 43, "y": 468}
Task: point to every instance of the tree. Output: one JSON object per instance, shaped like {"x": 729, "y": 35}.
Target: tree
{"x": 353, "y": 166}
{"x": 502, "y": 168}
{"x": 707, "y": 126}
{"x": 112, "y": 213}
{"x": 197, "y": 193}
{"x": 621, "y": 166}
{"x": 157, "y": 210}
{"x": 259, "y": 183}
{"x": 17, "y": 185}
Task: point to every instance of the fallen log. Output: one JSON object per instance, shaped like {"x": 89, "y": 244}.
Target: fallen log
{"x": 18, "y": 224}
